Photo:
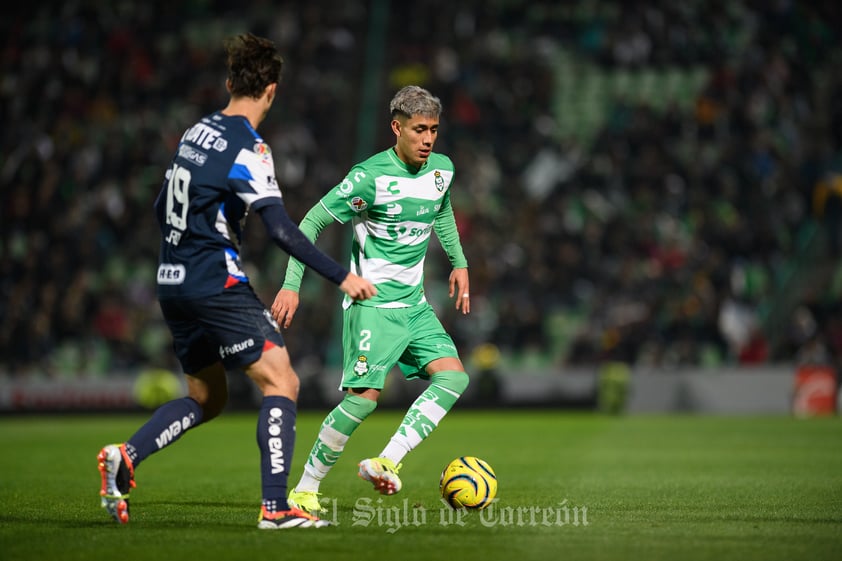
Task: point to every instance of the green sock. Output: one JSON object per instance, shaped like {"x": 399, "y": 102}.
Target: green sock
{"x": 335, "y": 431}
{"x": 425, "y": 413}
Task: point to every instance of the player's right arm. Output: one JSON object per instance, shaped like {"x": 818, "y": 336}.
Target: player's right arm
{"x": 286, "y": 301}
{"x": 347, "y": 199}
{"x": 316, "y": 220}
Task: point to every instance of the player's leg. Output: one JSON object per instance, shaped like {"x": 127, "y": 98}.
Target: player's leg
{"x": 266, "y": 362}
{"x": 207, "y": 395}
{"x": 277, "y": 381}
{"x": 334, "y": 432}
{"x": 372, "y": 342}
{"x": 448, "y": 380}
{"x": 274, "y": 376}
{"x": 433, "y": 348}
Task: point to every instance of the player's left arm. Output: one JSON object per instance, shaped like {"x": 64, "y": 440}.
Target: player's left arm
{"x": 448, "y": 235}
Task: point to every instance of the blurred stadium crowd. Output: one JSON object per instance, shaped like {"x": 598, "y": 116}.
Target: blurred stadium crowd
{"x": 633, "y": 228}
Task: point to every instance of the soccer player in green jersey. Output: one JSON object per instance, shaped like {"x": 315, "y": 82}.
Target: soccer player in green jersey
{"x": 394, "y": 201}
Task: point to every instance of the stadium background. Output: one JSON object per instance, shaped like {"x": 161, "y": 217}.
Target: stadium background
{"x": 650, "y": 189}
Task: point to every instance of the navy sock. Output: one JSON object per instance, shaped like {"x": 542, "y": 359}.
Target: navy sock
{"x": 276, "y": 440}
{"x": 167, "y": 424}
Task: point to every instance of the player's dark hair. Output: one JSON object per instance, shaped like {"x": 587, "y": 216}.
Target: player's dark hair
{"x": 253, "y": 63}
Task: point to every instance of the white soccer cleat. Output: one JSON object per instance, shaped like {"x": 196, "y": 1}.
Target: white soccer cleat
{"x": 117, "y": 473}
{"x": 382, "y": 473}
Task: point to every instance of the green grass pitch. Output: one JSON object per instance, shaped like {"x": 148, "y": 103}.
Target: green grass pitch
{"x": 571, "y": 486}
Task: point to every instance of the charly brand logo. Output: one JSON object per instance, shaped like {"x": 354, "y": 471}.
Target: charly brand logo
{"x": 377, "y": 513}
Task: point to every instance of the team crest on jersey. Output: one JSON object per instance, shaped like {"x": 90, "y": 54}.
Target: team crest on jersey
{"x": 439, "y": 180}
{"x": 361, "y": 367}
{"x": 358, "y": 204}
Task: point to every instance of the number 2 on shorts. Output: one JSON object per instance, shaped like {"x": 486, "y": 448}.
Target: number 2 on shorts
{"x": 365, "y": 340}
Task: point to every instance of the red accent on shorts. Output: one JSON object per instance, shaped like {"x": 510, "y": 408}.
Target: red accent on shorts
{"x": 231, "y": 281}
{"x": 268, "y": 345}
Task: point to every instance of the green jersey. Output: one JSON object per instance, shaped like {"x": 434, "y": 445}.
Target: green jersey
{"x": 393, "y": 209}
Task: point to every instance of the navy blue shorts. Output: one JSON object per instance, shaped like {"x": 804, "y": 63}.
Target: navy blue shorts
{"x": 234, "y": 327}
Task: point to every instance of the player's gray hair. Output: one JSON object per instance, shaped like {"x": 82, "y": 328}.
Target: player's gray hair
{"x": 415, "y": 100}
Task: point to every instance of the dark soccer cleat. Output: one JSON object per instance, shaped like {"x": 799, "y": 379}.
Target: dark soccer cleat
{"x": 292, "y": 518}
{"x": 117, "y": 474}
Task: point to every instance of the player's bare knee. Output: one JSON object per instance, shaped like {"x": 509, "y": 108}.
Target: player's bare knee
{"x": 212, "y": 398}
{"x": 284, "y": 383}
{"x": 292, "y": 384}
{"x": 210, "y": 391}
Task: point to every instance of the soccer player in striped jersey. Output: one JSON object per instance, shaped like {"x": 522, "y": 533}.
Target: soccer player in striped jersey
{"x": 394, "y": 201}
{"x": 222, "y": 168}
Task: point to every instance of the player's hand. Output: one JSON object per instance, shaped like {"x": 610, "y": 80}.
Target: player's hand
{"x": 284, "y": 307}
{"x": 357, "y": 288}
{"x": 460, "y": 287}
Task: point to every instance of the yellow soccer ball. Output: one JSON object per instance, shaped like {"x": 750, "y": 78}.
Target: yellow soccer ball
{"x": 468, "y": 483}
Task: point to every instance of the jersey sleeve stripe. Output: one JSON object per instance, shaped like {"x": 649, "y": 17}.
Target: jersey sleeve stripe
{"x": 240, "y": 171}
{"x": 330, "y": 212}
